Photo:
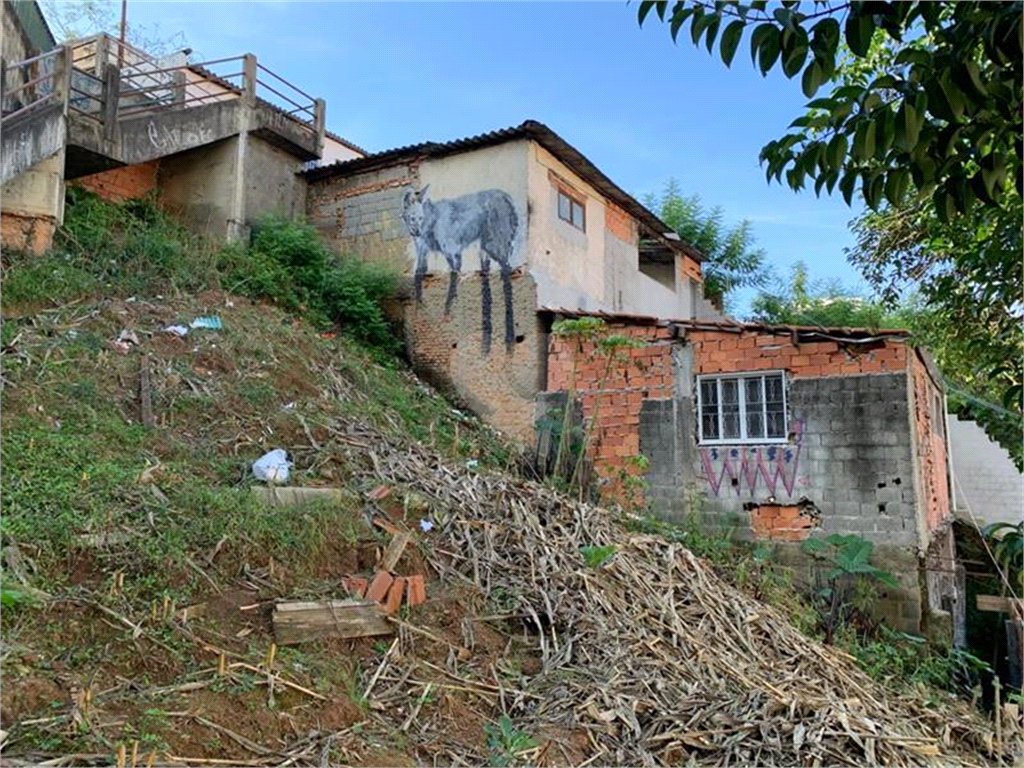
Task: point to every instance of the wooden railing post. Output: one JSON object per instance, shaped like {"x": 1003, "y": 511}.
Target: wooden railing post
{"x": 249, "y": 80}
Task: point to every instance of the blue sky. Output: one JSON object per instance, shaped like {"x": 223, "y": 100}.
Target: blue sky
{"x": 641, "y": 108}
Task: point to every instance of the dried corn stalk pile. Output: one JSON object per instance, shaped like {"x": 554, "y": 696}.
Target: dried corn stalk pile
{"x": 656, "y": 657}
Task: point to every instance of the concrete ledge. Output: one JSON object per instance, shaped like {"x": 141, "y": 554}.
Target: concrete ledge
{"x": 30, "y": 138}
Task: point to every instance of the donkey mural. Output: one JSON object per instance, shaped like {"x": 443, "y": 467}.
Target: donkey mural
{"x": 449, "y": 227}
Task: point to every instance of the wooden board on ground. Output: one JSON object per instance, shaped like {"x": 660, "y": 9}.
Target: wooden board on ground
{"x": 394, "y": 551}
{"x": 300, "y": 621}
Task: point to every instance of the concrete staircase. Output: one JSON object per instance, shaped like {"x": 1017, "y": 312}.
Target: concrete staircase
{"x": 98, "y": 104}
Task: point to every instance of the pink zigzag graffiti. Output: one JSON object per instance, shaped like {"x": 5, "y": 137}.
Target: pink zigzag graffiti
{"x": 753, "y": 462}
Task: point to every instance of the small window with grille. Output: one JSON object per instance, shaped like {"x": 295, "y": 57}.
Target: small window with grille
{"x": 742, "y": 408}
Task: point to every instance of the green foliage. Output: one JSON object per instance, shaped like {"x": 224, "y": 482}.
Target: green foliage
{"x": 906, "y": 660}
{"x": 507, "y": 742}
{"x": 732, "y": 259}
{"x": 849, "y": 555}
{"x": 828, "y": 304}
{"x": 970, "y": 276}
{"x": 289, "y": 264}
{"x": 1006, "y": 541}
{"x": 850, "y": 590}
{"x": 11, "y": 597}
{"x": 595, "y": 557}
{"x": 944, "y": 112}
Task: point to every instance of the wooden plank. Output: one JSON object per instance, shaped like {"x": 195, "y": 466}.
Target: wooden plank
{"x": 394, "y": 551}
{"x": 299, "y": 622}
{"x": 312, "y": 605}
{"x": 996, "y": 604}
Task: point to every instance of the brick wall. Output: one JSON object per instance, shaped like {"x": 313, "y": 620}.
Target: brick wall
{"x": 620, "y": 224}
{"x": 120, "y": 184}
{"x": 612, "y": 397}
{"x": 722, "y": 352}
{"x": 32, "y": 234}
{"x": 690, "y": 268}
{"x": 500, "y": 385}
{"x": 930, "y": 431}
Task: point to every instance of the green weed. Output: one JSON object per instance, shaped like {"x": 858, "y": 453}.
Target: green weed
{"x": 507, "y": 742}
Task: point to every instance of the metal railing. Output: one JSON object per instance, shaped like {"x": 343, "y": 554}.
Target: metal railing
{"x": 27, "y": 85}
{"x": 107, "y": 80}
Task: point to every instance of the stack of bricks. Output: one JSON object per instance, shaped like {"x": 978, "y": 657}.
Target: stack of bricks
{"x": 128, "y": 183}
{"x": 724, "y": 352}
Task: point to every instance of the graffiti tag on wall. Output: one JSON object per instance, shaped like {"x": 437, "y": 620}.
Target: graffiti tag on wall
{"x": 449, "y": 227}
{"x": 743, "y": 468}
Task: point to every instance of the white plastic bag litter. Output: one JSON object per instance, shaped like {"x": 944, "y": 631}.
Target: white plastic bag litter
{"x": 272, "y": 467}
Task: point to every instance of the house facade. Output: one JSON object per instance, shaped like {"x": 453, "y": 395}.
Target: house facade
{"x": 778, "y": 434}
{"x": 488, "y": 230}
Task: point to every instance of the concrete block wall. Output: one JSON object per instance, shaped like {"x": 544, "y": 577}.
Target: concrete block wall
{"x": 361, "y": 215}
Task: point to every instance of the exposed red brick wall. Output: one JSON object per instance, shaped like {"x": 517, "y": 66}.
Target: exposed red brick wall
{"x": 690, "y": 267}
{"x": 782, "y": 522}
{"x": 613, "y": 396}
{"x": 620, "y": 224}
{"x": 120, "y": 184}
{"x": 33, "y": 234}
{"x": 723, "y": 352}
{"x": 929, "y": 431}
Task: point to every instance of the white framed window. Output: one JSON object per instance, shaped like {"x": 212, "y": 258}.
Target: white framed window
{"x": 742, "y": 408}
{"x": 572, "y": 210}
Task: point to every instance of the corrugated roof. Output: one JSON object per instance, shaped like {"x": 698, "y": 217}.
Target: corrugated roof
{"x": 530, "y": 129}
{"x": 734, "y": 326}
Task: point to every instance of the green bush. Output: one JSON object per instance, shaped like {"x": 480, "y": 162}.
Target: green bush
{"x": 287, "y": 263}
{"x": 134, "y": 248}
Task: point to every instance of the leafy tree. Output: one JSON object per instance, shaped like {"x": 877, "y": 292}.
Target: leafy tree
{"x": 81, "y": 18}
{"x": 732, "y": 258}
{"x": 974, "y": 392}
{"x": 924, "y": 118}
{"x": 829, "y": 304}
{"x": 944, "y": 114}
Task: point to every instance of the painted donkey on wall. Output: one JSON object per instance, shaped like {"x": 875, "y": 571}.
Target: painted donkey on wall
{"x": 449, "y": 227}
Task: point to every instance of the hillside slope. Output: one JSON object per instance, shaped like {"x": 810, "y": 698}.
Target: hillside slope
{"x": 528, "y": 649}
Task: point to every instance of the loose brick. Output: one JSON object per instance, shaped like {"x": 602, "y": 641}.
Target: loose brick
{"x": 356, "y": 585}
{"x": 395, "y": 594}
{"x": 417, "y": 590}
{"x": 379, "y": 587}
